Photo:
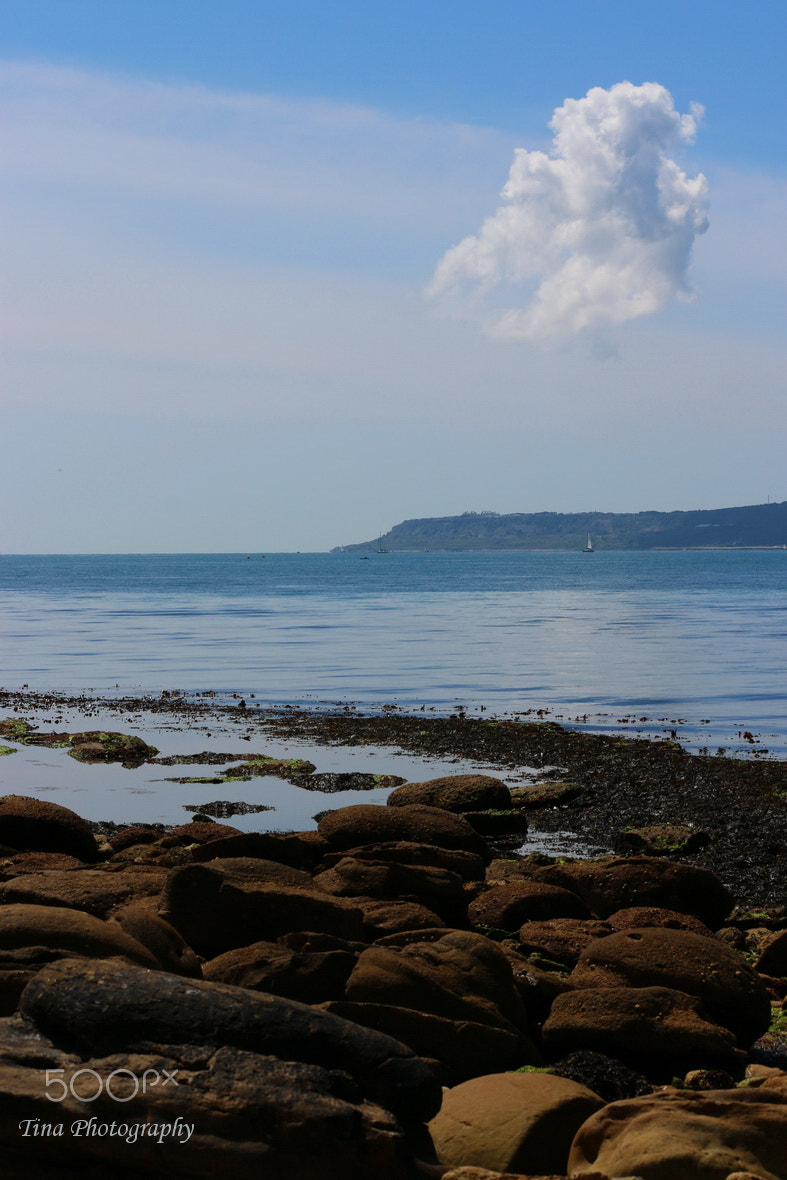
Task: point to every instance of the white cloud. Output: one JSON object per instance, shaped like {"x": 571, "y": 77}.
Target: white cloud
{"x": 596, "y": 233}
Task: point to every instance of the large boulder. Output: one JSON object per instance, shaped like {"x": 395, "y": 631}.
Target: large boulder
{"x": 311, "y": 977}
{"x": 609, "y": 884}
{"x": 97, "y": 891}
{"x": 512, "y": 1122}
{"x": 455, "y": 792}
{"x": 217, "y": 907}
{"x": 35, "y": 825}
{"x": 98, "y": 745}
{"x": 460, "y": 975}
{"x": 638, "y": 916}
{"x": 561, "y": 940}
{"x": 381, "y": 918}
{"x": 659, "y": 1030}
{"x": 468, "y": 865}
{"x": 140, "y": 920}
{"x": 100, "y": 1008}
{"x": 438, "y": 889}
{"x": 730, "y": 990}
{"x": 679, "y": 1134}
{"x": 32, "y": 936}
{"x": 455, "y": 1050}
{"x": 507, "y": 907}
{"x": 367, "y": 823}
{"x": 197, "y": 1113}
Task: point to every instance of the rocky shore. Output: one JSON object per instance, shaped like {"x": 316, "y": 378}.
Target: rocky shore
{"x": 399, "y": 992}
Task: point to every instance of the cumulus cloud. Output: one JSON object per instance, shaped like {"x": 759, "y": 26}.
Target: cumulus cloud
{"x": 597, "y": 232}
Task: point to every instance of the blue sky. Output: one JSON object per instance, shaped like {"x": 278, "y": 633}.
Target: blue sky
{"x": 224, "y": 223}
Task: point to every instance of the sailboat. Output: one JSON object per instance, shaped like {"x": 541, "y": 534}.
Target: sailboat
{"x": 589, "y": 547}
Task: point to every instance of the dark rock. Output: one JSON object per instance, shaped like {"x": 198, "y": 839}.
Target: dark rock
{"x": 460, "y": 976}
{"x": 33, "y": 825}
{"x": 102, "y": 1008}
{"x": 468, "y": 865}
{"x": 311, "y": 977}
{"x": 32, "y": 936}
{"x": 661, "y": 840}
{"x": 218, "y": 907}
{"x": 364, "y": 823}
{"x": 438, "y": 889}
{"x": 507, "y": 907}
{"x": 97, "y": 891}
{"x": 454, "y": 1049}
{"x": 561, "y": 940}
{"x": 140, "y": 920}
{"x": 300, "y": 850}
{"x": 610, "y": 884}
{"x": 537, "y": 796}
{"x": 659, "y": 1030}
{"x": 730, "y": 990}
{"x": 204, "y": 832}
{"x": 129, "y": 837}
{"x": 214, "y": 1111}
{"x": 639, "y": 916}
{"x": 381, "y": 918}
{"x": 454, "y": 792}
{"x": 102, "y": 746}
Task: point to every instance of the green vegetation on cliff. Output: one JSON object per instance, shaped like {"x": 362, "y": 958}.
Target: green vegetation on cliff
{"x": 758, "y": 525}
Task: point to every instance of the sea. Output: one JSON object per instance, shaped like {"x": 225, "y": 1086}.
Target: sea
{"x": 685, "y": 645}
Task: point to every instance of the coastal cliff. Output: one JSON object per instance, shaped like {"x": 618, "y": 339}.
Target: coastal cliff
{"x": 751, "y": 526}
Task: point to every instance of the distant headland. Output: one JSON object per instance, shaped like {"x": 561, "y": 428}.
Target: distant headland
{"x": 754, "y": 526}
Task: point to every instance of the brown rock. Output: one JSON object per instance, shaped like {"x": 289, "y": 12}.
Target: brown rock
{"x": 512, "y": 1122}
{"x": 610, "y": 884}
{"x": 301, "y": 850}
{"x": 468, "y": 865}
{"x": 140, "y": 920}
{"x": 217, "y": 907}
{"x": 636, "y": 917}
{"x": 128, "y": 837}
{"x": 454, "y": 1049}
{"x": 461, "y": 976}
{"x": 311, "y": 977}
{"x": 438, "y": 889}
{"x": 454, "y": 792}
{"x": 19, "y": 863}
{"x": 674, "y": 1135}
{"x": 34, "y": 825}
{"x": 507, "y": 907}
{"x": 538, "y": 795}
{"x": 101, "y": 1008}
{"x": 32, "y": 936}
{"x": 561, "y": 939}
{"x": 657, "y": 1029}
{"x": 390, "y": 917}
{"x": 773, "y": 958}
{"x": 97, "y": 891}
{"x": 229, "y": 1112}
{"x": 204, "y": 832}
{"x": 731, "y": 992}
{"x": 365, "y": 823}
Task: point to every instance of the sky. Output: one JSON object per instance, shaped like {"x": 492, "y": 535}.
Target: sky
{"x": 279, "y": 276}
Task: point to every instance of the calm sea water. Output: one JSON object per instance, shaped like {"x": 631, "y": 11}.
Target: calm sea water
{"x": 647, "y": 641}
